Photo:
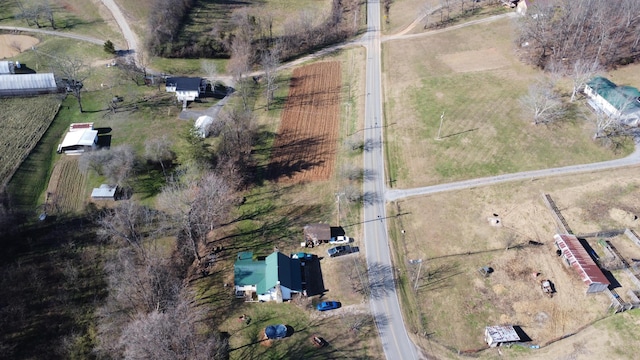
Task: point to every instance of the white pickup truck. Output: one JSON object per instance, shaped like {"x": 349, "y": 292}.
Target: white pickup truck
{"x": 340, "y": 240}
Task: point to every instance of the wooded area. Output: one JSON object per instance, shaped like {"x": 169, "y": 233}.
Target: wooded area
{"x": 248, "y": 32}
{"x": 564, "y": 31}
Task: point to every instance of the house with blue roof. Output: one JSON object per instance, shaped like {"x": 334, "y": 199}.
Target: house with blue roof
{"x": 274, "y": 278}
{"x": 620, "y": 102}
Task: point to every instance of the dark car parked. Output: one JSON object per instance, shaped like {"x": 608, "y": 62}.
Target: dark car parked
{"x": 339, "y": 250}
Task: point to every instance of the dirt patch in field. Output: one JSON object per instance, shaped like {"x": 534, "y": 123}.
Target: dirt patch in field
{"x": 306, "y": 144}
{"x": 65, "y": 193}
{"x": 12, "y": 45}
{"x": 475, "y": 60}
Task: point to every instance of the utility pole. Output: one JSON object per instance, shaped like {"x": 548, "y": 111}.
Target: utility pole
{"x": 440, "y": 128}
{"x": 415, "y": 287}
{"x": 338, "y": 215}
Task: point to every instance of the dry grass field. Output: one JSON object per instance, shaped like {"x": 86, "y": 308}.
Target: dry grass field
{"x": 305, "y": 147}
{"x": 451, "y": 232}
{"x": 22, "y": 124}
{"x": 472, "y": 76}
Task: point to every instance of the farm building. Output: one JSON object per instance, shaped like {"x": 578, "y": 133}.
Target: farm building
{"x": 104, "y": 192}
{"x": 186, "y": 88}
{"x": 8, "y": 67}
{"x": 500, "y": 335}
{"x": 575, "y": 255}
{"x": 275, "y": 278}
{"x": 621, "y": 102}
{"x": 27, "y": 84}
{"x": 80, "y": 138}
{"x": 203, "y": 124}
{"x": 315, "y": 234}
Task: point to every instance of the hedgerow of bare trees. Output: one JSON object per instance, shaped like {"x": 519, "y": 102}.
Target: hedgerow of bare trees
{"x": 247, "y": 33}
{"x": 604, "y": 32}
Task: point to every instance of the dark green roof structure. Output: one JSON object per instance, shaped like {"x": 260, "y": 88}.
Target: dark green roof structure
{"x": 623, "y": 98}
{"x": 266, "y": 274}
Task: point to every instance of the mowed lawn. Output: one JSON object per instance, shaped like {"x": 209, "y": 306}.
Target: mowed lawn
{"x": 473, "y": 77}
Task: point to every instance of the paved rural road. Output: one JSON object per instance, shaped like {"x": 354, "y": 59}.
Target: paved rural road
{"x": 129, "y": 36}
{"x": 631, "y": 160}
{"x": 384, "y": 300}
{"x": 55, "y": 33}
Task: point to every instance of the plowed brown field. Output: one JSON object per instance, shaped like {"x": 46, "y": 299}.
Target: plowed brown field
{"x": 305, "y": 147}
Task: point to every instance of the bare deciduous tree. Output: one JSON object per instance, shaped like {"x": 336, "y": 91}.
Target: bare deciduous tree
{"x": 197, "y": 207}
{"x": 581, "y": 73}
{"x": 132, "y": 225}
{"x": 542, "y": 103}
{"x": 73, "y": 72}
{"x": 174, "y": 334}
{"x": 270, "y": 62}
{"x": 210, "y": 69}
{"x": 158, "y": 150}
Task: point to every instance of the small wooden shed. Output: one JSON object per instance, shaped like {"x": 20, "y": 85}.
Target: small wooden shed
{"x": 314, "y": 234}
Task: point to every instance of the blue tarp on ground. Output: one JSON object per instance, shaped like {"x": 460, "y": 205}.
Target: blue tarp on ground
{"x": 276, "y": 331}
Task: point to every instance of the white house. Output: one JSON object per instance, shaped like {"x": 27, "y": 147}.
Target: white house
{"x": 80, "y": 138}
{"x": 620, "y": 102}
{"x": 186, "y": 88}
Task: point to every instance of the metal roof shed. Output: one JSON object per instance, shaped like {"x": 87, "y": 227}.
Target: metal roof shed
{"x": 500, "y": 335}
{"x": 27, "y": 84}
{"x": 104, "y": 192}
{"x": 574, "y": 253}
{"x": 78, "y": 141}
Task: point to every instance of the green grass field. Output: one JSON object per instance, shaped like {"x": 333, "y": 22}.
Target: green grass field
{"x": 484, "y": 130}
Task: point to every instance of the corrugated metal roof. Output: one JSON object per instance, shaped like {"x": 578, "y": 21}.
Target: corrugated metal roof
{"x": 283, "y": 269}
{"x": 580, "y": 260}
{"x": 4, "y": 67}
{"x": 265, "y": 274}
{"x": 104, "y": 191}
{"x": 247, "y": 271}
{"x": 28, "y": 81}
{"x": 501, "y": 334}
{"x": 623, "y": 98}
{"x": 80, "y": 137}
